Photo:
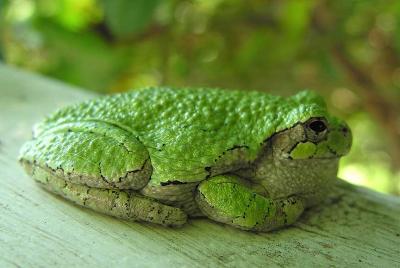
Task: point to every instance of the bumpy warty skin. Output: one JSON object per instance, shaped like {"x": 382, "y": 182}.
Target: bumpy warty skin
{"x": 156, "y": 155}
{"x": 188, "y": 134}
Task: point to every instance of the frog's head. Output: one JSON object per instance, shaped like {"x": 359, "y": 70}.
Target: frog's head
{"x": 304, "y": 157}
{"x": 320, "y": 137}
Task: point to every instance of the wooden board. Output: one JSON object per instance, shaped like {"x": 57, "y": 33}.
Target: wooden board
{"x": 355, "y": 227}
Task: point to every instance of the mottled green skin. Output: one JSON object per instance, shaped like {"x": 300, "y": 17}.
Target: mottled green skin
{"x": 186, "y": 130}
{"x": 247, "y": 210}
{"x": 161, "y": 137}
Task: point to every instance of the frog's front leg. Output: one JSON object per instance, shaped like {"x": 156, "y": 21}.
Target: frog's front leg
{"x": 124, "y": 204}
{"x": 227, "y": 199}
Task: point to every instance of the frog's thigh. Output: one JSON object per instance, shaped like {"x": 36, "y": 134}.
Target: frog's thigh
{"x": 118, "y": 203}
{"x": 96, "y": 155}
{"x": 226, "y": 199}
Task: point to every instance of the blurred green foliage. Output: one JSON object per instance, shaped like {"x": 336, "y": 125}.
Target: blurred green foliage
{"x": 346, "y": 50}
{"x": 128, "y": 17}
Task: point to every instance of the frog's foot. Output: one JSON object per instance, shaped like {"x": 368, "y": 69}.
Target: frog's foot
{"x": 228, "y": 200}
{"x": 123, "y": 204}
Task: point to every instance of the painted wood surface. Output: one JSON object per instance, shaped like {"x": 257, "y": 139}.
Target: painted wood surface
{"x": 354, "y": 227}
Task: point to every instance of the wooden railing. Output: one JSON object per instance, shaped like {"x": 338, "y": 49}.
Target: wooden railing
{"x": 354, "y": 227}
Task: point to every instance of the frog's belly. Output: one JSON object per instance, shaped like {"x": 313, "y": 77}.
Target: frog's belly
{"x": 177, "y": 195}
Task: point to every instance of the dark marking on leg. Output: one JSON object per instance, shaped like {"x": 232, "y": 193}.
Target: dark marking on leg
{"x": 171, "y": 183}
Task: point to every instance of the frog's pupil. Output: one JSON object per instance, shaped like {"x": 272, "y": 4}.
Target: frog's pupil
{"x": 317, "y": 126}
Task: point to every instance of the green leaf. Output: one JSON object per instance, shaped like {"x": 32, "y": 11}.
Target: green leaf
{"x": 125, "y": 17}
{"x": 81, "y": 59}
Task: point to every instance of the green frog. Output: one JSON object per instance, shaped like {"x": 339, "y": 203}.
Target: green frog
{"x": 161, "y": 155}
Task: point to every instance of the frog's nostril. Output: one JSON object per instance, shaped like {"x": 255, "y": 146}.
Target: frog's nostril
{"x": 345, "y": 130}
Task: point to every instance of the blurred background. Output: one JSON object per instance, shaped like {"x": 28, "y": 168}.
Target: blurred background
{"x": 347, "y": 51}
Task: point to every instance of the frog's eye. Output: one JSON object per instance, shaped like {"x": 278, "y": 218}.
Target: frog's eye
{"x": 317, "y": 126}
{"x": 316, "y": 129}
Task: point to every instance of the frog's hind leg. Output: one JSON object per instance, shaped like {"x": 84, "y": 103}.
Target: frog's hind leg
{"x": 96, "y": 154}
{"x": 229, "y": 200}
{"x": 123, "y": 204}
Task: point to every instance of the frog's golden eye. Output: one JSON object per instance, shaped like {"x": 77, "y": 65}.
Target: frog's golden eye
{"x": 316, "y": 129}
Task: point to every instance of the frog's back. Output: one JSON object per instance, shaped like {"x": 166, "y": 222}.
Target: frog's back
{"x": 190, "y": 134}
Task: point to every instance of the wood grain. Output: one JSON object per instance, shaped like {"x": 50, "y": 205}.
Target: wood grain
{"x": 355, "y": 227}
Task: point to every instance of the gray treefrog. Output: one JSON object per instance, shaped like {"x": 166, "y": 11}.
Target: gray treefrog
{"x": 161, "y": 155}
